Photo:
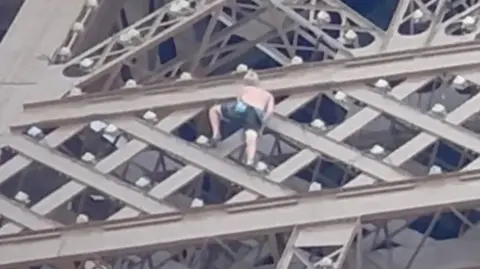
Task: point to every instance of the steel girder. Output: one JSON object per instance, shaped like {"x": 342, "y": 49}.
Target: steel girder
{"x": 368, "y": 202}
{"x": 255, "y": 186}
{"x": 345, "y": 75}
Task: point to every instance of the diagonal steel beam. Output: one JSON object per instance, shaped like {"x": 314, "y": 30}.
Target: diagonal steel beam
{"x": 338, "y": 133}
{"x": 284, "y": 171}
{"x": 424, "y": 139}
{"x": 346, "y": 74}
{"x": 247, "y": 219}
{"x": 87, "y": 176}
{"x": 59, "y": 196}
{"x": 326, "y": 146}
{"x": 356, "y": 17}
{"x": 179, "y": 179}
{"x": 316, "y": 30}
{"x": 105, "y": 166}
{"x": 442, "y": 129}
{"x": 207, "y": 161}
{"x": 287, "y": 255}
{"x": 396, "y": 21}
{"x": 22, "y": 217}
{"x": 203, "y": 8}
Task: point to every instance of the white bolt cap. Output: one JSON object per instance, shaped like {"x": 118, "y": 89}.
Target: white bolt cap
{"x": 131, "y": 83}
{"x": 314, "y": 186}
{"x": 174, "y": 7}
{"x": 340, "y": 96}
{"x": 382, "y": 84}
{"x": 377, "y": 150}
{"x": 323, "y": 17}
{"x": 78, "y": 27}
{"x": 92, "y": 265}
{"x": 97, "y": 126}
{"x": 86, "y": 63}
{"x": 318, "y": 124}
{"x": 468, "y": 21}
{"x": 91, "y": 3}
{"x": 150, "y": 116}
{"x": 417, "y": 15}
{"x": 129, "y": 35}
{"x": 296, "y": 60}
{"x": 88, "y": 157}
{"x": 435, "y": 170}
{"x": 183, "y": 4}
{"x": 202, "y": 140}
{"x": 22, "y": 197}
{"x": 261, "y": 166}
{"x": 197, "y": 203}
{"x": 97, "y": 197}
{"x": 350, "y": 35}
{"x": 438, "y": 108}
{"x": 143, "y": 182}
{"x": 124, "y": 38}
{"x": 241, "y": 68}
{"x": 325, "y": 262}
{"x": 178, "y": 6}
{"x": 82, "y": 218}
{"x": 133, "y": 33}
{"x": 459, "y": 81}
{"x": 34, "y": 131}
{"x": 64, "y": 52}
{"x": 75, "y": 92}
{"x": 185, "y": 76}
{"x": 111, "y": 129}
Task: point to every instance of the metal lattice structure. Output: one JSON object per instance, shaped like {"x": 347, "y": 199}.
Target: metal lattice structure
{"x": 99, "y": 166}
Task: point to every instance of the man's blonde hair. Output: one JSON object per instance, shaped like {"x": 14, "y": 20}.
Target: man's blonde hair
{"x": 251, "y": 78}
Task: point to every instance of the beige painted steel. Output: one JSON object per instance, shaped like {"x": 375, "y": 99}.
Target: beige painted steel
{"x": 47, "y": 22}
{"x": 84, "y": 174}
{"x": 244, "y": 219}
{"x": 343, "y": 74}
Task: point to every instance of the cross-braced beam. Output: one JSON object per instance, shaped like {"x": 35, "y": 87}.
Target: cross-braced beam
{"x": 374, "y": 168}
{"x": 153, "y": 29}
{"x": 370, "y": 202}
{"x": 338, "y": 236}
{"x": 347, "y": 74}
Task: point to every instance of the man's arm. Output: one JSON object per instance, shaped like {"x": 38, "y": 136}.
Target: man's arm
{"x": 270, "y": 108}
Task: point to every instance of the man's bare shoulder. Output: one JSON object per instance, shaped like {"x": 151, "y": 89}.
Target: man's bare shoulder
{"x": 252, "y": 88}
{"x": 257, "y": 89}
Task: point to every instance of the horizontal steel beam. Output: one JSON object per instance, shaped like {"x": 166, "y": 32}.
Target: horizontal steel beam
{"x": 87, "y": 176}
{"x": 194, "y": 154}
{"x": 444, "y": 129}
{"x": 22, "y": 216}
{"x": 345, "y": 74}
{"x": 243, "y": 219}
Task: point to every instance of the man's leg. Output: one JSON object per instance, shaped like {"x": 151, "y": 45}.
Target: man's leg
{"x": 214, "y": 115}
{"x": 253, "y": 125}
{"x": 251, "y": 137}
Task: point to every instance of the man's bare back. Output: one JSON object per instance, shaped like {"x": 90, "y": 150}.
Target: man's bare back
{"x": 256, "y": 97}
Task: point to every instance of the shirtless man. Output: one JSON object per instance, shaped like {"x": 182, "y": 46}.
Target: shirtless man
{"x": 251, "y": 109}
